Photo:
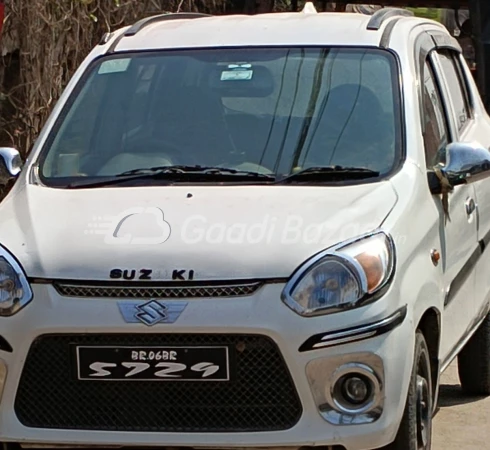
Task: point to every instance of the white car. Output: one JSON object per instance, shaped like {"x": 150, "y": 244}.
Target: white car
{"x": 235, "y": 232}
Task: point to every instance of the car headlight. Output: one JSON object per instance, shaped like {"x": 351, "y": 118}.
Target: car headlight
{"x": 15, "y": 292}
{"x": 346, "y": 276}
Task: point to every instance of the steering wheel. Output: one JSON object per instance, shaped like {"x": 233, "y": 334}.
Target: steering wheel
{"x": 179, "y": 154}
{"x": 176, "y": 153}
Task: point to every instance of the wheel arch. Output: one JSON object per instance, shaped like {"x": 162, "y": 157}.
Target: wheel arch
{"x": 430, "y": 326}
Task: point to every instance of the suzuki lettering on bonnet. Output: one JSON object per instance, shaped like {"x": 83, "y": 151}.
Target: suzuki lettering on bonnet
{"x": 146, "y": 274}
{"x": 130, "y": 274}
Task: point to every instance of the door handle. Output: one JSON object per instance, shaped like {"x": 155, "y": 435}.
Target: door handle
{"x": 470, "y": 206}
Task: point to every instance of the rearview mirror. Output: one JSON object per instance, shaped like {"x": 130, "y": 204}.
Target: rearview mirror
{"x": 464, "y": 163}
{"x": 10, "y": 164}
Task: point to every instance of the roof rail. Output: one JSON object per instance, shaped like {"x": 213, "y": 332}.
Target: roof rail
{"x": 380, "y": 16}
{"x": 138, "y": 26}
{"x": 105, "y": 38}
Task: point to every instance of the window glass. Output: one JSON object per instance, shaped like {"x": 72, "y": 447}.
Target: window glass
{"x": 265, "y": 109}
{"x": 434, "y": 122}
{"x": 457, "y": 87}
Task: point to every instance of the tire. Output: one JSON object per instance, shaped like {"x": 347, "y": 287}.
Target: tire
{"x": 415, "y": 432}
{"x": 474, "y": 362}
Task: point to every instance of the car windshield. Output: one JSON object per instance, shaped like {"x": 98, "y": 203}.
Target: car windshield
{"x": 267, "y": 110}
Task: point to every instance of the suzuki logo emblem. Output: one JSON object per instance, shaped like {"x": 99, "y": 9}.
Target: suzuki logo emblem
{"x": 151, "y": 313}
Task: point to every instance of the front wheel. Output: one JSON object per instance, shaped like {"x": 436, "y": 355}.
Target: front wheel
{"x": 415, "y": 432}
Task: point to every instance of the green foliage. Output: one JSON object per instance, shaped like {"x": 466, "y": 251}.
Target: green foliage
{"x": 428, "y": 13}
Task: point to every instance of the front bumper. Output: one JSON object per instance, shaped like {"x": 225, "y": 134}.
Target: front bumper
{"x": 259, "y": 314}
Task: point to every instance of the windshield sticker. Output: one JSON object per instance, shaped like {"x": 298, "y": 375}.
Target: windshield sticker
{"x": 237, "y": 72}
{"x": 114, "y": 65}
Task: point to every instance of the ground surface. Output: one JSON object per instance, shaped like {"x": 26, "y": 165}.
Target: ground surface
{"x": 462, "y": 423}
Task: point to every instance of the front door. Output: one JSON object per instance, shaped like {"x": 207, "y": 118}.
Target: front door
{"x": 458, "y": 221}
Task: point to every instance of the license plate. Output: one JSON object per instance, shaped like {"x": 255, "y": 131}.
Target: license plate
{"x": 153, "y": 363}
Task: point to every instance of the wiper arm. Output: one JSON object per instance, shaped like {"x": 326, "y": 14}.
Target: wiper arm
{"x": 175, "y": 173}
{"x": 329, "y": 173}
{"x": 213, "y": 170}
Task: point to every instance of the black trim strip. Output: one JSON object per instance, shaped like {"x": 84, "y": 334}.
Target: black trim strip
{"x": 138, "y": 26}
{"x": 5, "y": 346}
{"x": 131, "y": 31}
{"x": 386, "y": 36}
{"x": 382, "y": 15}
{"x": 113, "y": 46}
{"x": 355, "y": 334}
{"x": 485, "y": 241}
{"x": 464, "y": 273}
{"x": 444, "y": 41}
{"x": 156, "y": 283}
{"x": 105, "y": 38}
{"x": 462, "y": 276}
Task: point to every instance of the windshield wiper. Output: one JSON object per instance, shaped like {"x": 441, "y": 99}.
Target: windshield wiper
{"x": 329, "y": 173}
{"x": 175, "y": 173}
{"x": 213, "y": 170}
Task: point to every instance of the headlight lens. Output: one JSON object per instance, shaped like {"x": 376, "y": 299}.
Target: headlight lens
{"x": 15, "y": 291}
{"x": 343, "y": 277}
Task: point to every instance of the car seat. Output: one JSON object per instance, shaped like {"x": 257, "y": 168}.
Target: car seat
{"x": 187, "y": 126}
{"x": 192, "y": 121}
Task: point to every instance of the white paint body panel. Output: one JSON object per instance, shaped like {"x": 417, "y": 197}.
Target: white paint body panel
{"x": 48, "y": 231}
{"x": 263, "y": 313}
{"x": 267, "y": 29}
{"x": 217, "y": 239}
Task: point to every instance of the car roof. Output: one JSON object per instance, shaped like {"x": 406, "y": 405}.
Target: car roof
{"x": 284, "y": 29}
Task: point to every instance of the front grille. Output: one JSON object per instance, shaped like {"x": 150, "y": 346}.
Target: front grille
{"x": 73, "y": 290}
{"x": 261, "y": 396}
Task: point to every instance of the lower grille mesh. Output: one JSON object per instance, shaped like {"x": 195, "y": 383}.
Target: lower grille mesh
{"x": 261, "y": 396}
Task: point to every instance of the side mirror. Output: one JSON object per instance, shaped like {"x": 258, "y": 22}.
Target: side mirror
{"x": 464, "y": 163}
{"x": 10, "y": 164}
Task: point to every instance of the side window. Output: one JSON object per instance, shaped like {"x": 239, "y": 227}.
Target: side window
{"x": 458, "y": 92}
{"x": 434, "y": 125}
